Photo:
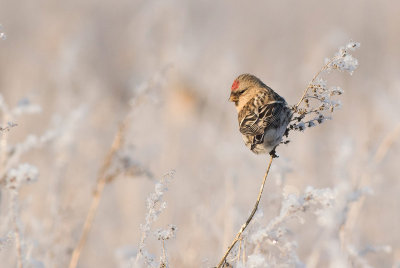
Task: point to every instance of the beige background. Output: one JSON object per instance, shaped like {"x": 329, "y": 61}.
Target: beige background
{"x": 83, "y": 61}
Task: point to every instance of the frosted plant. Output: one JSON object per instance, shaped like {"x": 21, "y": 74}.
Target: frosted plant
{"x": 6, "y": 123}
{"x": 6, "y": 240}
{"x": 13, "y": 174}
{"x": 8, "y": 126}
{"x": 14, "y": 179}
{"x": 319, "y": 101}
{"x": 13, "y": 152}
{"x": 23, "y": 107}
{"x": 155, "y": 205}
{"x": 163, "y": 235}
{"x": 115, "y": 162}
{"x": 123, "y": 163}
{"x": 23, "y": 173}
{"x": 272, "y": 244}
{"x": 273, "y": 238}
{"x": 314, "y": 107}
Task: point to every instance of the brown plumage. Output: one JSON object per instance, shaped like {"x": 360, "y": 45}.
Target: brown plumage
{"x": 263, "y": 115}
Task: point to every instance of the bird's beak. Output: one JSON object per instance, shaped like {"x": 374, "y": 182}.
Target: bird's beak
{"x": 231, "y": 98}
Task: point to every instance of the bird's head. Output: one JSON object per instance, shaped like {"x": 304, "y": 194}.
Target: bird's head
{"x": 241, "y": 85}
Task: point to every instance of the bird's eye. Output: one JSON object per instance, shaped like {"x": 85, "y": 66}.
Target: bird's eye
{"x": 240, "y": 92}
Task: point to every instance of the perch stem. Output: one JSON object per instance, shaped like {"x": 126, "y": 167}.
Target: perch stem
{"x": 244, "y": 226}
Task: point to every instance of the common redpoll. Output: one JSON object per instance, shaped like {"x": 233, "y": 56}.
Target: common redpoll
{"x": 263, "y": 114}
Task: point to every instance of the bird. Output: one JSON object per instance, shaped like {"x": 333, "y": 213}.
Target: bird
{"x": 263, "y": 115}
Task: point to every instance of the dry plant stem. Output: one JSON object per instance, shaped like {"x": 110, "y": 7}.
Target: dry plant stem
{"x": 101, "y": 182}
{"x": 17, "y": 231}
{"x": 244, "y": 254}
{"x": 163, "y": 250}
{"x": 240, "y": 246}
{"x": 386, "y": 144}
{"x": 312, "y": 81}
{"x": 18, "y": 246}
{"x": 3, "y": 145}
{"x": 244, "y": 226}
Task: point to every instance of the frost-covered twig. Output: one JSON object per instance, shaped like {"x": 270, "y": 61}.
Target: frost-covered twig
{"x": 12, "y": 174}
{"x": 244, "y": 226}
{"x": 318, "y": 99}
{"x": 310, "y": 85}
{"x": 275, "y": 238}
{"x": 8, "y": 127}
{"x": 164, "y": 235}
{"x": 155, "y": 205}
{"x": 272, "y": 238}
{"x": 15, "y": 178}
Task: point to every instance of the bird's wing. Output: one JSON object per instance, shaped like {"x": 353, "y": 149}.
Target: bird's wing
{"x": 256, "y": 116}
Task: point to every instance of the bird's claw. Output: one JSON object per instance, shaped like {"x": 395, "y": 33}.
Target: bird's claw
{"x": 273, "y": 154}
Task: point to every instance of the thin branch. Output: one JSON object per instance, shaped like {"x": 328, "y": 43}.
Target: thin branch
{"x": 312, "y": 81}
{"x": 103, "y": 178}
{"x": 163, "y": 251}
{"x": 386, "y": 144}
{"x": 17, "y": 231}
{"x": 18, "y": 247}
{"x": 244, "y": 226}
{"x": 101, "y": 182}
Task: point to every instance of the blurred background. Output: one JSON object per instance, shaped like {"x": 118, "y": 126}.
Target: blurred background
{"x": 169, "y": 65}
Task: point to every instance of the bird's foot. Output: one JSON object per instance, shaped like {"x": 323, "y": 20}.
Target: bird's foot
{"x": 273, "y": 154}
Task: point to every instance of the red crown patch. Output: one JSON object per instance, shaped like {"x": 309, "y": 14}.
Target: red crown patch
{"x": 235, "y": 85}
